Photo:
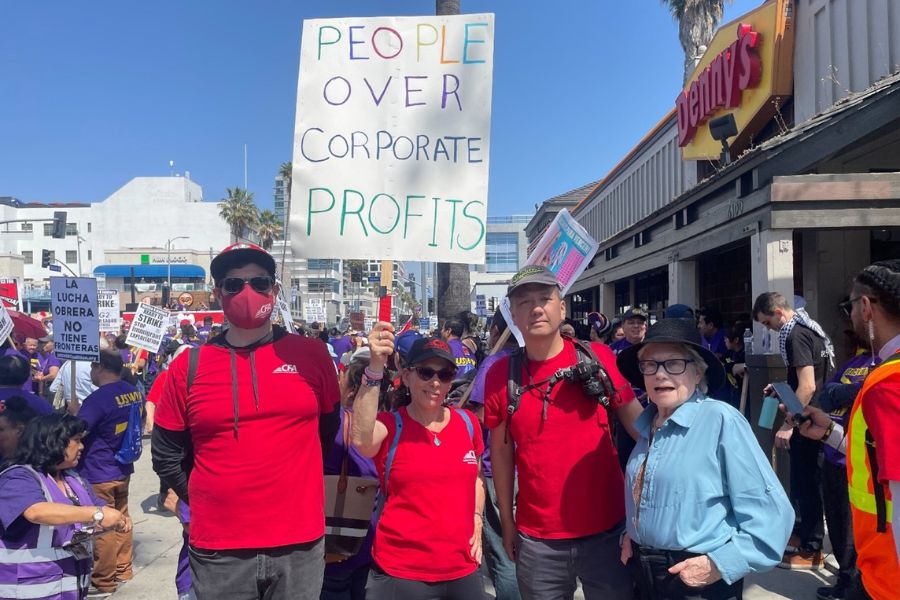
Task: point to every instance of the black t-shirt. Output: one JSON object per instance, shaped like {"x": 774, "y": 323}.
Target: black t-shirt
{"x": 806, "y": 349}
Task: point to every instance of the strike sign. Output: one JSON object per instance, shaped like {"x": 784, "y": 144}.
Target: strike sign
{"x": 76, "y": 321}
{"x": 148, "y": 327}
{"x": 108, "y": 302}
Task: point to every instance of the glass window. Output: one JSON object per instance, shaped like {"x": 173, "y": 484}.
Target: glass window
{"x": 89, "y": 255}
{"x": 28, "y": 255}
{"x": 71, "y": 228}
{"x": 502, "y": 252}
{"x": 89, "y": 227}
{"x": 71, "y": 256}
{"x": 324, "y": 285}
{"x": 27, "y": 227}
{"x": 48, "y": 229}
{"x": 323, "y": 264}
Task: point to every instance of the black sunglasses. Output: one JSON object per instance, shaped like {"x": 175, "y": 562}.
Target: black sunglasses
{"x": 233, "y": 285}
{"x": 847, "y": 306}
{"x": 444, "y": 375}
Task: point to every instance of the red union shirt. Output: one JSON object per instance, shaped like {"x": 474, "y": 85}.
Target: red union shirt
{"x": 263, "y": 487}
{"x": 429, "y": 516}
{"x": 570, "y": 482}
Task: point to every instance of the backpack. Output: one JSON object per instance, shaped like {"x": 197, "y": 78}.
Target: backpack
{"x": 383, "y": 493}
{"x": 131, "y": 447}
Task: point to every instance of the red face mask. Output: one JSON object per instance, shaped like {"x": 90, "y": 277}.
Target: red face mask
{"x": 247, "y": 309}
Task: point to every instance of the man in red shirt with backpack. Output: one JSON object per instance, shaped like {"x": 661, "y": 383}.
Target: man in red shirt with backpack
{"x": 239, "y": 435}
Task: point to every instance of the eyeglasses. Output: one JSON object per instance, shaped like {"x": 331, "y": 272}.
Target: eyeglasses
{"x": 847, "y": 307}
{"x": 673, "y": 366}
{"x": 444, "y": 375}
{"x": 233, "y": 285}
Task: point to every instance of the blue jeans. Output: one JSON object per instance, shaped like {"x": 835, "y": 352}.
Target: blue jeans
{"x": 501, "y": 569}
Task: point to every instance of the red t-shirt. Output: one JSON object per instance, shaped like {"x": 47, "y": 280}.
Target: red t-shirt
{"x": 429, "y": 516}
{"x": 263, "y": 487}
{"x": 570, "y": 482}
{"x": 156, "y": 390}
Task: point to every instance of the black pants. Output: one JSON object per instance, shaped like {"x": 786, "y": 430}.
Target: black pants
{"x": 650, "y": 570}
{"x": 806, "y": 490}
{"x": 382, "y": 586}
{"x": 840, "y": 521}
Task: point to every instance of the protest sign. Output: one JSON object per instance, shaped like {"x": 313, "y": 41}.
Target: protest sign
{"x": 392, "y": 138}
{"x": 148, "y": 327}
{"x": 108, "y": 303}
{"x": 284, "y": 311}
{"x": 6, "y": 325}
{"x": 368, "y": 324}
{"x": 433, "y": 322}
{"x": 76, "y": 321}
{"x": 9, "y": 293}
{"x": 566, "y": 248}
{"x": 314, "y": 310}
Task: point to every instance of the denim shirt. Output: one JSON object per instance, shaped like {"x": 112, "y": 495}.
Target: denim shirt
{"x": 708, "y": 489}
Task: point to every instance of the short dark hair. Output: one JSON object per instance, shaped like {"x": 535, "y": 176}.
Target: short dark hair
{"x": 17, "y": 410}
{"x": 767, "y": 302}
{"x": 455, "y": 326}
{"x": 111, "y": 360}
{"x": 43, "y": 443}
{"x": 120, "y": 342}
{"x": 881, "y": 281}
{"x": 14, "y": 370}
{"x": 712, "y": 316}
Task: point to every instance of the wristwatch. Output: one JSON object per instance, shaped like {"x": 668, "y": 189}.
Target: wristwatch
{"x": 98, "y": 515}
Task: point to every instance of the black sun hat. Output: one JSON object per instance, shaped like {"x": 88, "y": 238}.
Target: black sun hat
{"x": 671, "y": 331}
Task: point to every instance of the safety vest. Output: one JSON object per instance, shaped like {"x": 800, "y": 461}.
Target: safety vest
{"x": 38, "y": 566}
{"x": 870, "y": 501}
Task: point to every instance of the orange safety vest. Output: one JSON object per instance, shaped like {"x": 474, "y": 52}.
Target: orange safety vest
{"x": 870, "y": 501}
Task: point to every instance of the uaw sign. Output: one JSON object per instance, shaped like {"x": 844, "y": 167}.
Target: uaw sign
{"x": 76, "y": 321}
{"x": 392, "y": 138}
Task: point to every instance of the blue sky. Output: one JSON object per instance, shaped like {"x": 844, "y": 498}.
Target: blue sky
{"x": 97, "y": 92}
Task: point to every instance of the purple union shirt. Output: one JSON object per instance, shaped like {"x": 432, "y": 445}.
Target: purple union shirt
{"x": 106, "y": 413}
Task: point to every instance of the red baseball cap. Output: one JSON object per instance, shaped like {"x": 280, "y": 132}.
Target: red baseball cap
{"x": 240, "y": 254}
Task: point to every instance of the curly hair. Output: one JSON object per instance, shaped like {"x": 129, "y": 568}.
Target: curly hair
{"x": 881, "y": 281}
{"x": 44, "y": 441}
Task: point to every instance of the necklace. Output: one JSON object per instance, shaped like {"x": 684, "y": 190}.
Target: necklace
{"x": 434, "y": 435}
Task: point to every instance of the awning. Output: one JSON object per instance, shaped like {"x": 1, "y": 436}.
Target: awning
{"x": 124, "y": 271}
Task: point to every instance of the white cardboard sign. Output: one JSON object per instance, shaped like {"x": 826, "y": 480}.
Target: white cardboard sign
{"x": 392, "y": 138}
{"x": 76, "y": 321}
{"x": 6, "y": 324}
{"x": 108, "y": 303}
{"x": 148, "y": 327}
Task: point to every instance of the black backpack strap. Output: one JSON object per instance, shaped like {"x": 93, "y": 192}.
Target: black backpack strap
{"x": 514, "y": 381}
{"x": 193, "y": 363}
{"x": 586, "y": 355}
{"x": 877, "y": 488}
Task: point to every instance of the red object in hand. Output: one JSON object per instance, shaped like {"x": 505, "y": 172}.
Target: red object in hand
{"x": 384, "y": 309}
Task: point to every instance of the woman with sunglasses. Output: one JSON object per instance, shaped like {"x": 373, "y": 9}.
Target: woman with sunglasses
{"x": 428, "y": 537}
{"x": 703, "y": 506}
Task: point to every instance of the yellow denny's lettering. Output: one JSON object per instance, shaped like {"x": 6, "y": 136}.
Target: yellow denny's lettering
{"x": 128, "y": 399}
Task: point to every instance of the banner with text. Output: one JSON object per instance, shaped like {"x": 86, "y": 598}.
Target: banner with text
{"x": 9, "y": 293}
{"x": 392, "y": 138}
{"x": 566, "y": 248}
{"x": 108, "y": 302}
{"x": 148, "y": 327}
{"x": 76, "y": 323}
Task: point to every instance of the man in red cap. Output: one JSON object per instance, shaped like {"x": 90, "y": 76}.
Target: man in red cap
{"x": 251, "y": 411}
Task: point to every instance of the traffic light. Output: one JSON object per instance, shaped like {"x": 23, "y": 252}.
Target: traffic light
{"x": 431, "y": 306}
{"x": 45, "y": 258}
{"x": 492, "y": 306}
{"x": 355, "y": 274}
{"x": 59, "y": 225}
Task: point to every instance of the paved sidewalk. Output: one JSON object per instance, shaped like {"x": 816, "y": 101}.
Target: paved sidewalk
{"x": 157, "y": 541}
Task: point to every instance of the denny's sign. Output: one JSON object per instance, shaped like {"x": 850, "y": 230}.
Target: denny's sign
{"x": 747, "y": 70}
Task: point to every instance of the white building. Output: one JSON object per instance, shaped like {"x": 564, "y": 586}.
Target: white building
{"x": 505, "y": 253}
{"x": 132, "y": 226}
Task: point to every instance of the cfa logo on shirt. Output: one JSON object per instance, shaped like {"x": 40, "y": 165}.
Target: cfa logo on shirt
{"x": 470, "y": 458}
{"x": 286, "y": 368}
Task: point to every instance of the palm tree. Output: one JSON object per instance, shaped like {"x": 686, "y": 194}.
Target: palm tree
{"x": 238, "y": 210}
{"x": 268, "y": 229}
{"x": 697, "y": 21}
{"x": 452, "y": 283}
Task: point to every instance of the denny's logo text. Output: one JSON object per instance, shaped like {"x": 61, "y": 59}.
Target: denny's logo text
{"x": 720, "y": 85}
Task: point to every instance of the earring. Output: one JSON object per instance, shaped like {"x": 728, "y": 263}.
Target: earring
{"x": 871, "y": 326}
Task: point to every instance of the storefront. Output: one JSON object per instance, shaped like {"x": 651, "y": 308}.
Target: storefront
{"x": 808, "y": 194}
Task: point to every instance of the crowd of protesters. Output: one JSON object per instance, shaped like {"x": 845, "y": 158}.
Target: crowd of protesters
{"x": 610, "y": 453}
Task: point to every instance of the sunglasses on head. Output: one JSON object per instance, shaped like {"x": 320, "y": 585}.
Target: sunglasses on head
{"x": 444, "y": 375}
{"x": 233, "y": 285}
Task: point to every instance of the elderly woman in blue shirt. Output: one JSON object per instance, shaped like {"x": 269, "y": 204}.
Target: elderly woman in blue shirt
{"x": 703, "y": 506}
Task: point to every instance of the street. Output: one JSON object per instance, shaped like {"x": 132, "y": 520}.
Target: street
{"x": 157, "y": 541}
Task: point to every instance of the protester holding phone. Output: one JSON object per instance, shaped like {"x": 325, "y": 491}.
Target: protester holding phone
{"x": 44, "y": 507}
{"x": 428, "y": 538}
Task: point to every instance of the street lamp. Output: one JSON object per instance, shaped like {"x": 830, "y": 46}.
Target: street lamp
{"x": 169, "y": 260}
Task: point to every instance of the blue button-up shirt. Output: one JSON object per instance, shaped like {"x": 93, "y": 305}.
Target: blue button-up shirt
{"x": 709, "y": 489}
